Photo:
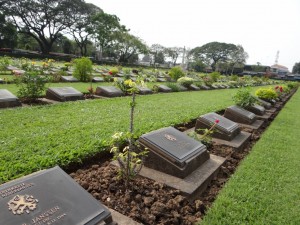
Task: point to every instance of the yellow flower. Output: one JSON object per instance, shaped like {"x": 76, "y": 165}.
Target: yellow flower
{"x": 33, "y": 62}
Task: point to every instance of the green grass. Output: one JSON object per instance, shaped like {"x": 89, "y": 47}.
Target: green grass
{"x": 39, "y": 137}
{"x": 266, "y": 187}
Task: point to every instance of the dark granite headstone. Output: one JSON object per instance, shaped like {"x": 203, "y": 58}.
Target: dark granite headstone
{"x": 7, "y": 99}
{"x": 265, "y": 104}
{"x": 194, "y": 87}
{"x": 108, "y": 91}
{"x": 12, "y": 68}
{"x": 257, "y": 109}
{"x": 173, "y": 152}
{"x": 69, "y": 79}
{"x": 161, "y": 80}
{"x": 182, "y": 88}
{"x": 204, "y": 87}
{"x": 63, "y": 94}
{"x": 164, "y": 88}
{"x": 239, "y": 115}
{"x": 49, "y": 197}
{"x": 144, "y": 90}
{"x": 98, "y": 79}
{"x": 225, "y": 129}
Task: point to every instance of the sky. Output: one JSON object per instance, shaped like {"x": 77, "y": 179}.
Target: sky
{"x": 262, "y": 27}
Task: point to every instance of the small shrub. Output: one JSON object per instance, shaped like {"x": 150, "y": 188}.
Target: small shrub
{"x": 113, "y": 71}
{"x": 31, "y": 86}
{"x": 176, "y": 72}
{"x": 244, "y": 98}
{"x": 185, "y": 81}
{"x": 83, "y": 69}
{"x": 215, "y": 76}
{"x": 173, "y": 86}
{"x": 4, "y": 62}
{"x": 266, "y": 93}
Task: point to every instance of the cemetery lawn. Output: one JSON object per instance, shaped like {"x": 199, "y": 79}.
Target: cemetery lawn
{"x": 33, "y": 138}
{"x": 265, "y": 189}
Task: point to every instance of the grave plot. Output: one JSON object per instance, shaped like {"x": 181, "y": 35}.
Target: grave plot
{"x": 144, "y": 90}
{"x": 164, "y": 88}
{"x": 204, "y": 87}
{"x": 7, "y": 99}
{"x": 161, "y": 79}
{"x": 49, "y": 197}
{"x": 98, "y": 79}
{"x": 267, "y": 106}
{"x": 69, "y": 79}
{"x": 193, "y": 87}
{"x": 243, "y": 116}
{"x": 63, "y": 94}
{"x": 109, "y": 91}
{"x": 179, "y": 161}
{"x": 226, "y": 132}
{"x": 260, "y": 112}
{"x": 182, "y": 88}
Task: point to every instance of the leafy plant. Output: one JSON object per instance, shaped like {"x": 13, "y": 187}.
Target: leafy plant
{"x": 4, "y": 62}
{"x": 113, "y": 71}
{"x": 83, "y": 69}
{"x": 173, "y": 86}
{"x": 215, "y": 76}
{"x": 176, "y": 72}
{"x": 31, "y": 85}
{"x": 266, "y": 93}
{"x": 185, "y": 81}
{"x": 128, "y": 157}
{"x": 244, "y": 98}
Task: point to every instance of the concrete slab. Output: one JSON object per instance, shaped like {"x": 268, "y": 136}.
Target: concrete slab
{"x": 120, "y": 219}
{"x": 254, "y": 126}
{"x": 192, "y": 185}
{"x": 271, "y": 110}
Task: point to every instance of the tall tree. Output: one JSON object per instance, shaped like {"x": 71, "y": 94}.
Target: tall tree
{"x": 158, "y": 53}
{"x": 128, "y": 46}
{"x": 42, "y": 19}
{"x": 82, "y": 29}
{"x": 8, "y": 33}
{"x": 105, "y": 27}
{"x": 238, "y": 57}
{"x": 214, "y": 52}
{"x": 174, "y": 53}
{"x": 296, "y": 68}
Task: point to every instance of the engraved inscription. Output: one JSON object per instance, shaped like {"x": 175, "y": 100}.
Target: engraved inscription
{"x": 170, "y": 137}
{"x": 22, "y": 203}
{"x": 14, "y": 189}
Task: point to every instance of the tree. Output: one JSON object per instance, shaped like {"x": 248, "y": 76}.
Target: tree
{"x": 296, "y": 68}
{"x": 173, "y": 53}
{"x": 82, "y": 29}
{"x": 238, "y": 57}
{"x": 27, "y": 42}
{"x": 158, "y": 53}
{"x": 8, "y": 33}
{"x": 214, "y": 52}
{"x": 127, "y": 46}
{"x": 105, "y": 27}
{"x": 42, "y": 19}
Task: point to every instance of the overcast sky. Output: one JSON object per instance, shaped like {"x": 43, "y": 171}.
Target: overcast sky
{"x": 262, "y": 27}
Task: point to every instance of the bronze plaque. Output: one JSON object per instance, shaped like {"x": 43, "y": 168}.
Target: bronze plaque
{"x": 49, "y": 197}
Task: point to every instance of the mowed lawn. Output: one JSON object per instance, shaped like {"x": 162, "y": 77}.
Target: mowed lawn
{"x": 266, "y": 187}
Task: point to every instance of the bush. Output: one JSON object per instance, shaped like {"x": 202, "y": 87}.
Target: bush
{"x": 173, "y": 86}
{"x": 266, "y": 93}
{"x": 113, "y": 71}
{"x": 215, "y": 76}
{"x": 244, "y": 98}
{"x": 176, "y": 72}
{"x": 4, "y": 62}
{"x": 83, "y": 69}
{"x": 31, "y": 85}
{"x": 185, "y": 81}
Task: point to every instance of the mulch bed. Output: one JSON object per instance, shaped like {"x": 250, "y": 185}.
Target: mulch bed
{"x": 149, "y": 202}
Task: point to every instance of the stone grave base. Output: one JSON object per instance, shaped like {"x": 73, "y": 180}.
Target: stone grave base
{"x": 272, "y": 110}
{"x": 192, "y": 185}
{"x": 120, "y": 219}
{"x": 254, "y": 126}
{"x": 264, "y": 117}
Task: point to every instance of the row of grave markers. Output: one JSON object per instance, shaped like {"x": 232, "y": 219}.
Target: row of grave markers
{"x": 175, "y": 159}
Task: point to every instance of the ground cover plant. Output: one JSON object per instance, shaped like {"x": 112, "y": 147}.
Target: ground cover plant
{"x": 266, "y": 187}
{"x": 44, "y": 136}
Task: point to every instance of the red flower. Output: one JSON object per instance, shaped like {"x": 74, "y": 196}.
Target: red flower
{"x": 281, "y": 89}
{"x": 110, "y": 73}
{"x": 276, "y": 87}
{"x": 217, "y": 121}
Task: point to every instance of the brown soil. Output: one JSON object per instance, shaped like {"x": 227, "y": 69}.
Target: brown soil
{"x": 149, "y": 202}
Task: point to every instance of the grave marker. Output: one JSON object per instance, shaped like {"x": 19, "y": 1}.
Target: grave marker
{"x": 108, "y": 91}
{"x": 194, "y": 87}
{"x": 224, "y": 129}
{"x": 98, "y": 79}
{"x": 265, "y": 104}
{"x": 239, "y": 115}
{"x": 204, "y": 87}
{"x": 164, "y": 88}
{"x": 257, "y": 109}
{"x": 49, "y": 197}
{"x": 63, "y": 94}
{"x": 173, "y": 152}
{"x": 7, "y": 99}
{"x": 144, "y": 90}
{"x": 69, "y": 79}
